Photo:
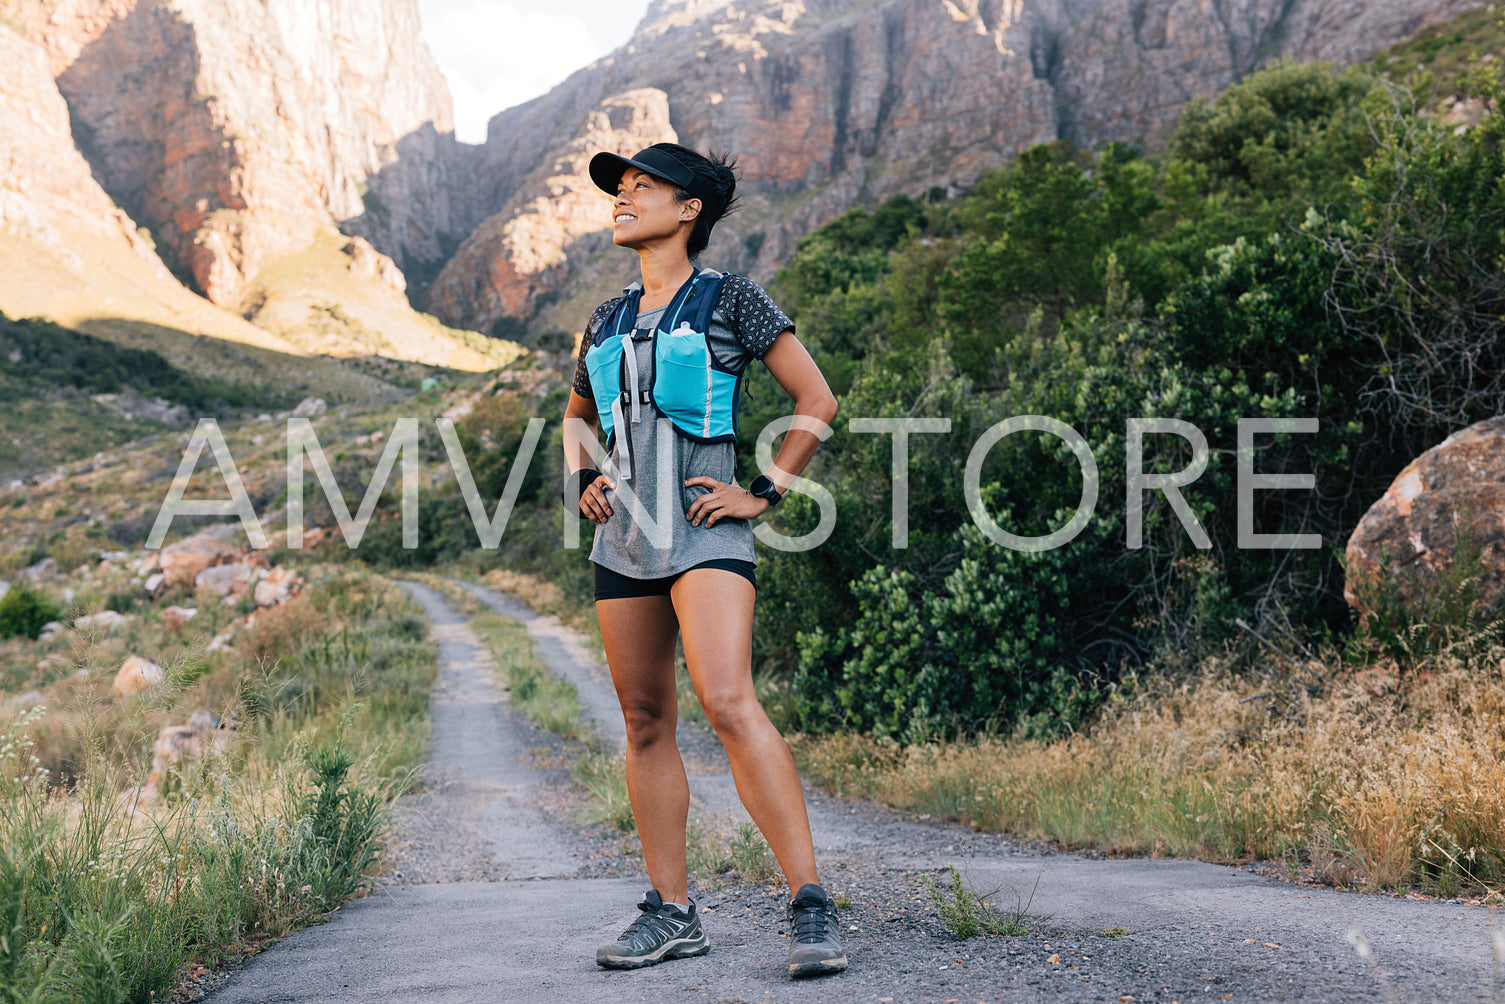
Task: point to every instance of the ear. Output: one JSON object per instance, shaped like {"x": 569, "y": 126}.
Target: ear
{"x": 692, "y": 206}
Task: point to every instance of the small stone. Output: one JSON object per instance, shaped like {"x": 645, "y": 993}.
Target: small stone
{"x": 135, "y": 675}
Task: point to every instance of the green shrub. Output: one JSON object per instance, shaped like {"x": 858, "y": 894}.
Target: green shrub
{"x": 23, "y": 612}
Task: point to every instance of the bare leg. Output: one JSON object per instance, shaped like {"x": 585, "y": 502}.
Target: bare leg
{"x": 715, "y": 609}
{"x": 638, "y": 634}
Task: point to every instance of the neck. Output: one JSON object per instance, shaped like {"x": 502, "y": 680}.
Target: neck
{"x": 664, "y": 270}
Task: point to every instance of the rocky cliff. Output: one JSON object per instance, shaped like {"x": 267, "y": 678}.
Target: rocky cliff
{"x": 237, "y": 129}
{"x": 280, "y": 156}
{"x": 834, "y": 103}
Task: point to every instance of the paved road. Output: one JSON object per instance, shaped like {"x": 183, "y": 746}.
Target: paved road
{"x": 518, "y": 922}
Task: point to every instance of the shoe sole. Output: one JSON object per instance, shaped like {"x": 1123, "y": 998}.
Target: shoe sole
{"x": 819, "y": 968}
{"x": 673, "y": 950}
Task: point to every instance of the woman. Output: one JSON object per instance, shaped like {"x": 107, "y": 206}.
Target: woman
{"x": 660, "y": 370}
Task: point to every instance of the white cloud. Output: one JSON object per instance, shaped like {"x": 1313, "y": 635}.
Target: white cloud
{"x": 497, "y": 54}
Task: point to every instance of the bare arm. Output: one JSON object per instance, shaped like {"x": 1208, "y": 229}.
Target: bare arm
{"x": 790, "y": 363}
{"x": 581, "y": 421}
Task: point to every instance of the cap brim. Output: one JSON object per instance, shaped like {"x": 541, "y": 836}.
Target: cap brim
{"x": 606, "y": 170}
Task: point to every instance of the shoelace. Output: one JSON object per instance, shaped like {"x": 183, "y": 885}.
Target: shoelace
{"x": 809, "y": 921}
{"x": 645, "y": 923}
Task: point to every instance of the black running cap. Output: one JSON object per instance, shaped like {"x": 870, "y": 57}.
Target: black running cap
{"x": 607, "y": 168}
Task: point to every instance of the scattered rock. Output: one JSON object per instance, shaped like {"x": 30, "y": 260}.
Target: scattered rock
{"x": 204, "y": 720}
{"x": 135, "y": 675}
{"x": 182, "y": 745}
{"x": 153, "y": 583}
{"x": 1457, "y": 488}
{"x": 148, "y": 563}
{"x": 23, "y": 701}
{"x": 173, "y": 618}
{"x": 4, "y": 588}
{"x": 310, "y": 407}
{"x": 185, "y": 560}
{"x": 277, "y": 587}
{"x": 226, "y": 580}
{"x": 221, "y": 641}
{"x": 45, "y": 565}
{"x": 105, "y": 620}
{"x": 50, "y": 630}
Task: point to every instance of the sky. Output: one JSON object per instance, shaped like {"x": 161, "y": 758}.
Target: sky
{"x": 500, "y": 53}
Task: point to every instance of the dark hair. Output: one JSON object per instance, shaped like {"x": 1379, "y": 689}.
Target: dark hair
{"x": 714, "y": 184}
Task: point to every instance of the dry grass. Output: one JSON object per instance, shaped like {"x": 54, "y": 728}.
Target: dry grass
{"x": 1381, "y": 781}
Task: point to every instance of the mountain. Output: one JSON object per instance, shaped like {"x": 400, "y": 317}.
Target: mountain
{"x": 834, "y": 103}
{"x": 253, "y": 152}
{"x": 251, "y": 186}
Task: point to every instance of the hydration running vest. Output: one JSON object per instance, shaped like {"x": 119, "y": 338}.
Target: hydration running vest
{"x": 689, "y": 386}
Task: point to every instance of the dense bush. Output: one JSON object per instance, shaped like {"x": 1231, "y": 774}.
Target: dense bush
{"x": 23, "y": 612}
{"x": 1312, "y": 245}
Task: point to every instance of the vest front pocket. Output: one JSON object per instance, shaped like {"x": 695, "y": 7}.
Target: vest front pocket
{"x": 603, "y": 364}
{"x": 688, "y": 387}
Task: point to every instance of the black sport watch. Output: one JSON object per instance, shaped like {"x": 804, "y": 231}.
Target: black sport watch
{"x": 763, "y": 487}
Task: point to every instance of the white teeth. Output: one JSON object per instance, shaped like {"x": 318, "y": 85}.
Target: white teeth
{"x": 623, "y": 216}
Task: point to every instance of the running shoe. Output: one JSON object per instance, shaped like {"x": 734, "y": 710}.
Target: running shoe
{"x": 660, "y": 933}
{"x": 815, "y": 948}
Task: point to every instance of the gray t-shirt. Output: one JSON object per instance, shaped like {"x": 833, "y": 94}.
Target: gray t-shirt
{"x": 660, "y": 541}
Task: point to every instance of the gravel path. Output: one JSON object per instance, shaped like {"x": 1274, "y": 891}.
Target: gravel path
{"x": 500, "y": 895}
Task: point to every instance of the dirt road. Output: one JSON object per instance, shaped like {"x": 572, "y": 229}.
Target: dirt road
{"x": 506, "y": 897}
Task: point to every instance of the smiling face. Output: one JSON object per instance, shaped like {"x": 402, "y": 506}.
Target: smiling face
{"x": 645, "y": 211}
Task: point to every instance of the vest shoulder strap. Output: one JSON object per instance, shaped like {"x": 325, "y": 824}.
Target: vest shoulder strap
{"x": 609, "y": 323}
{"x": 707, "y": 293}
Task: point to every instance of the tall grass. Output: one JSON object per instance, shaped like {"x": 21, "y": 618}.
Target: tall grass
{"x": 550, "y": 703}
{"x": 1383, "y": 780}
{"x": 106, "y": 894}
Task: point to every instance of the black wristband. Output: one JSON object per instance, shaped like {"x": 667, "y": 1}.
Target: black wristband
{"x": 575, "y": 486}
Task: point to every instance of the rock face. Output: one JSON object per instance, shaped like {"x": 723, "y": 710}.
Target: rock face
{"x": 1408, "y": 541}
{"x": 552, "y": 224}
{"x": 49, "y": 194}
{"x": 833, "y": 103}
{"x": 238, "y": 129}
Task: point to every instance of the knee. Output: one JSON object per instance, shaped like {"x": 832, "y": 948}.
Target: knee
{"x": 648, "y": 722}
{"x": 734, "y": 717}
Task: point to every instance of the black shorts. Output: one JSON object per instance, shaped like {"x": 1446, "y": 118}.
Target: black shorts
{"x": 616, "y": 586}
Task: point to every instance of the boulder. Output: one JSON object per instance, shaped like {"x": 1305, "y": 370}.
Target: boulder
{"x": 185, "y": 560}
{"x": 1451, "y": 493}
{"x": 135, "y": 675}
{"x": 310, "y": 407}
{"x": 183, "y": 745}
{"x": 153, "y": 583}
{"x": 173, "y": 618}
{"x": 226, "y": 580}
{"x": 277, "y": 587}
{"x": 50, "y": 630}
{"x": 105, "y": 620}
